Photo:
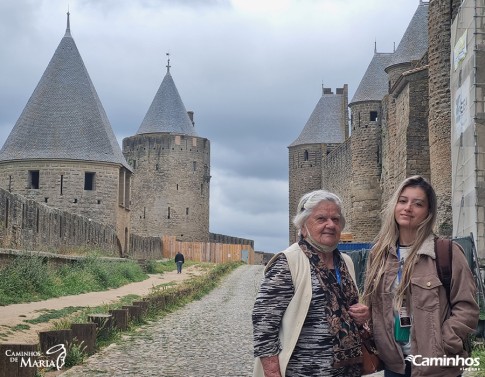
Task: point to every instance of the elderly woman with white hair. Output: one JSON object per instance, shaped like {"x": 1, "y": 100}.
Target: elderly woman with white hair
{"x": 306, "y": 314}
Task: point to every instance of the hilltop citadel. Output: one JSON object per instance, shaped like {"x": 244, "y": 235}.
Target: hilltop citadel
{"x": 65, "y": 181}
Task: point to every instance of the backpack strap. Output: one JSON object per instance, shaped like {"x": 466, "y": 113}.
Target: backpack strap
{"x": 443, "y": 251}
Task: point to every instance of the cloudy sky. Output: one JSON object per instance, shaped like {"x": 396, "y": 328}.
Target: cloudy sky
{"x": 251, "y": 70}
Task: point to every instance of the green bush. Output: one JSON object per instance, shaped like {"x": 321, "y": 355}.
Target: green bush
{"x": 30, "y": 278}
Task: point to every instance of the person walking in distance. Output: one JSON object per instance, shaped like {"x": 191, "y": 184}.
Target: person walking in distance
{"x": 179, "y": 261}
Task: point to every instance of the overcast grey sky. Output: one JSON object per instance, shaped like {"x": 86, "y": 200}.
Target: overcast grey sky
{"x": 251, "y": 70}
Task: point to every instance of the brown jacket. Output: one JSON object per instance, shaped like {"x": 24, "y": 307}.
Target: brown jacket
{"x": 438, "y": 327}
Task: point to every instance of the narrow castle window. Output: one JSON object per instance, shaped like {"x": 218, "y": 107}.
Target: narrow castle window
{"x": 89, "y": 181}
{"x": 168, "y": 214}
{"x": 62, "y": 183}
{"x": 187, "y": 210}
{"x": 305, "y": 155}
{"x": 194, "y": 164}
{"x": 373, "y": 116}
{"x": 34, "y": 179}
{"x": 7, "y": 203}
{"x": 9, "y": 183}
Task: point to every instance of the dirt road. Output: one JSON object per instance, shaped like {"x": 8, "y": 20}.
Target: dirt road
{"x": 14, "y": 315}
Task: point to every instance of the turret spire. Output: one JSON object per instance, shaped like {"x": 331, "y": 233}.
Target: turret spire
{"x": 68, "y": 27}
{"x": 168, "y": 63}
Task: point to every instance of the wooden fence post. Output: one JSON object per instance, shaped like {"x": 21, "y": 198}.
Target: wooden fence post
{"x": 18, "y": 366}
{"x": 143, "y": 305}
{"x": 59, "y": 339}
{"x": 84, "y": 335}
{"x": 120, "y": 318}
{"x": 134, "y": 312}
{"x": 104, "y": 324}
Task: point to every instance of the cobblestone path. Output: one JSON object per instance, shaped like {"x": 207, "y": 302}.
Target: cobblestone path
{"x": 210, "y": 337}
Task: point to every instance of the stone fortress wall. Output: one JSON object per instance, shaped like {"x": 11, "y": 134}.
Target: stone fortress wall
{"x": 408, "y": 133}
{"x": 178, "y": 166}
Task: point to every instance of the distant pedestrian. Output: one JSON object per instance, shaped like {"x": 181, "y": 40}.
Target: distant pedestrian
{"x": 179, "y": 261}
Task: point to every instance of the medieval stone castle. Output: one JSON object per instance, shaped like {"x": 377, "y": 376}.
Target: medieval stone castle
{"x": 62, "y": 152}
{"x": 400, "y": 125}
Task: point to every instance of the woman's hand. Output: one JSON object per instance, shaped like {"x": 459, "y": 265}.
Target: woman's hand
{"x": 360, "y": 313}
{"x": 271, "y": 366}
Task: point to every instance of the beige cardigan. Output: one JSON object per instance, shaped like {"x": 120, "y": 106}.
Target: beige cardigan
{"x": 297, "y": 310}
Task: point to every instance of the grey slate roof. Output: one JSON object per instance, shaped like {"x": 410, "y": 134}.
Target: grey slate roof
{"x": 64, "y": 118}
{"x": 167, "y": 112}
{"x": 414, "y": 42}
{"x": 325, "y": 123}
{"x": 374, "y": 83}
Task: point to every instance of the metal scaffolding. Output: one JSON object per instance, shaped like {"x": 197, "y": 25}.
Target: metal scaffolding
{"x": 467, "y": 86}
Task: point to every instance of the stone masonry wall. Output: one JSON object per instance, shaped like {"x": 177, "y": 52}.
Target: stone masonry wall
{"x": 366, "y": 171}
{"x": 388, "y": 128}
{"x": 417, "y": 132}
{"x": 29, "y": 225}
{"x": 405, "y": 147}
{"x": 439, "y": 122}
{"x": 337, "y": 178}
{"x": 170, "y": 185}
{"x": 61, "y": 185}
{"x": 26, "y": 224}
{"x": 305, "y": 175}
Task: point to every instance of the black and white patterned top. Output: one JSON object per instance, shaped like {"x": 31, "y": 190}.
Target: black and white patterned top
{"x": 312, "y": 355}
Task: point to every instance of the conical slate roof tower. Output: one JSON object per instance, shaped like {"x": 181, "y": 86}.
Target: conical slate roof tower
{"x": 327, "y": 121}
{"x": 64, "y": 118}
{"x": 367, "y": 113}
{"x": 325, "y": 130}
{"x": 373, "y": 86}
{"x": 413, "y": 45}
{"x": 167, "y": 112}
{"x": 62, "y": 150}
{"x": 170, "y": 189}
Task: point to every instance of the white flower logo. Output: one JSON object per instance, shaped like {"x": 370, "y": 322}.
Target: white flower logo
{"x": 61, "y": 358}
{"x": 410, "y": 358}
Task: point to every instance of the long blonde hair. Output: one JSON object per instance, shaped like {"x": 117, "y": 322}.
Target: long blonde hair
{"x": 388, "y": 236}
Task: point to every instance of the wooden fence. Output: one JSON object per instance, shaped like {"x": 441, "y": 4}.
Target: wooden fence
{"x": 207, "y": 251}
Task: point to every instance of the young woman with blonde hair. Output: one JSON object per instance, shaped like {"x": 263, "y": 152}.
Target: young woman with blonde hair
{"x": 412, "y": 317}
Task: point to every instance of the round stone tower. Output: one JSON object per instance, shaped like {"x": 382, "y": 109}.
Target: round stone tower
{"x": 439, "y": 119}
{"x": 171, "y": 164}
{"x": 325, "y": 129}
{"x": 404, "y": 129}
{"x": 366, "y": 118}
{"x": 62, "y": 151}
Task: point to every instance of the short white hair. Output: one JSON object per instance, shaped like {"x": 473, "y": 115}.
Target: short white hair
{"x": 310, "y": 200}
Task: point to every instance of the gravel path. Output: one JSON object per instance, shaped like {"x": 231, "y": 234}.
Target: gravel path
{"x": 210, "y": 337}
{"x": 207, "y": 338}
